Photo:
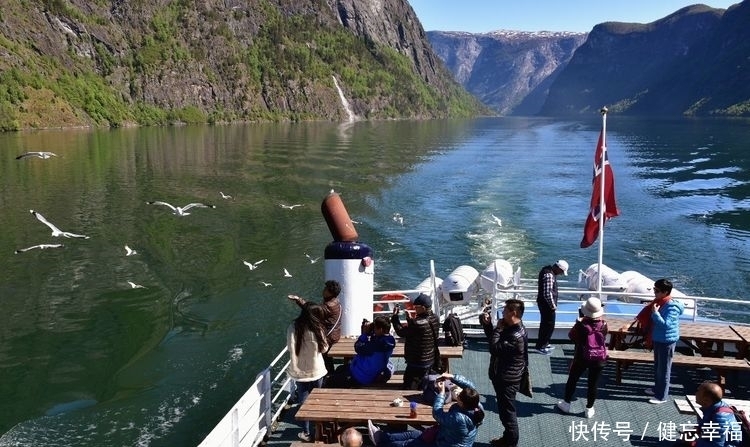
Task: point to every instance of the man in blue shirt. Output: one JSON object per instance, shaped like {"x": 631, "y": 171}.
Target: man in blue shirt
{"x": 372, "y": 362}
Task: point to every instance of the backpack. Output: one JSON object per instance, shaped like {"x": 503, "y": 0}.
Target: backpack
{"x": 743, "y": 426}
{"x": 454, "y": 331}
{"x": 595, "y": 348}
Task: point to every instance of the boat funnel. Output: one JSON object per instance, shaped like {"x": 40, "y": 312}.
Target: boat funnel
{"x": 339, "y": 223}
{"x": 460, "y": 285}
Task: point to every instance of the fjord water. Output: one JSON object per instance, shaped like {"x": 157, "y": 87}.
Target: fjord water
{"x": 86, "y": 360}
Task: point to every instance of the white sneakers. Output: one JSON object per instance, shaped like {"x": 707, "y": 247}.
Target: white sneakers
{"x": 656, "y": 401}
{"x": 374, "y": 432}
{"x": 564, "y": 406}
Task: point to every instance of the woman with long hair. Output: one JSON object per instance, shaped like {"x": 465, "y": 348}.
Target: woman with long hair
{"x": 306, "y": 342}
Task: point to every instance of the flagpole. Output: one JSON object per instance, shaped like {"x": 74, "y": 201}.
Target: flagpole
{"x": 602, "y": 210}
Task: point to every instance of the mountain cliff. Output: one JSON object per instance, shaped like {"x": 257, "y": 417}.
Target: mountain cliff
{"x": 693, "y": 62}
{"x": 510, "y": 71}
{"x": 116, "y": 62}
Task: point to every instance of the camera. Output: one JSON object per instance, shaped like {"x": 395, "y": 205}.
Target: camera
{"x": 367, "y": 327}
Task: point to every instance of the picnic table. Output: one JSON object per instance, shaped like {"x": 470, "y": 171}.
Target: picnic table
{"x": 334, "y": 409}
{"x": 344, "y": 348}
{"x": 708, "y": 339}
{"x": 744, "y": 333}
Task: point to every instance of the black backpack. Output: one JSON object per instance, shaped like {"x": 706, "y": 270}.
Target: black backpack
{"x": 454, "y": 330}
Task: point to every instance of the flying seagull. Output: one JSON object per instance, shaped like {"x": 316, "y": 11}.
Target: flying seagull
{"x": 398, "y": 218}
{"x": 39, "y": 246}
{"x": 225, "y": 196}
{"x": 56, "y": 232}
{"x": 265, "y": 284}
{"x": 42, "y": 155}
{"x": 497, "y": 220}
{"x": 287, "y": 274}
{"x": 181, "y": 210}
{"x": 254, "y": 265}
{"x": 289, "y": 207}
{"x": 129, "y": 251}
{"x": 312, "y": 260}
{"x": 135, "y": 286}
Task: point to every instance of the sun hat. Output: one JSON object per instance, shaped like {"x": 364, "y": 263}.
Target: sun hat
{"x": 592, "y": 308}
{"x": 562, "y": 265}
{"x": 423, "y": 300}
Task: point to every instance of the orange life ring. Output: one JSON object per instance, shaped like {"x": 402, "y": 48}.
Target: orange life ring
{"x": 380, "y": 306}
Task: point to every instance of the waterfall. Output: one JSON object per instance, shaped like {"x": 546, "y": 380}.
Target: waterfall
{"x": 344, "y": 102}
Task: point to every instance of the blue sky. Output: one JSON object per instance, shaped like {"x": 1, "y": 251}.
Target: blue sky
{"x": 478, "y": 16}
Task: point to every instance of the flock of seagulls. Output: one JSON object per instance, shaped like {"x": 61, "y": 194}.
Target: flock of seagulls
{"x": 180, "y": 211}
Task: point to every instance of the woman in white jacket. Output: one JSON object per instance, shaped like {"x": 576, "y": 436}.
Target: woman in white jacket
{"x": 306, "y": 342}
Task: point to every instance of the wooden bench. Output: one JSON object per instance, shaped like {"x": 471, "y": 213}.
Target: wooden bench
{"x": 719, "y": 364}
{"x": 344, "y": 349}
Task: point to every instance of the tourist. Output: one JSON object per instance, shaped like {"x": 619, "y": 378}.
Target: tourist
{"x": 589, "y": 333}
{"x": 456, "y": 427}
{"x": 306, "y": 342}
{"x": 508, "y": 344}
{"x": 351, "y": 438}
{"x": 546, "y": 299}
{"x": 371, "y": 364}
{"x": 664, "y": 313}
{"x": 715, "y": 427}
{"x": 331, "y": 292}
{"x": 420, "y": 341}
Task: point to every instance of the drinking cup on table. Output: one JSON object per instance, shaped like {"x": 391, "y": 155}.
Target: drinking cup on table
{"x": 412, "y": 409}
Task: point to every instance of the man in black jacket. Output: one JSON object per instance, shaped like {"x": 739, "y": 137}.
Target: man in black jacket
{"x": 420, "y": 341}
{"x": 508, "y": 359}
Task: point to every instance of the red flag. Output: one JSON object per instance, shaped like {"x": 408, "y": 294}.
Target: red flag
{"x": 591, "y": 229}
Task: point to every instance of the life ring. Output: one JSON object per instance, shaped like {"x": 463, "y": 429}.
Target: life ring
{"x": 380, "y": 306}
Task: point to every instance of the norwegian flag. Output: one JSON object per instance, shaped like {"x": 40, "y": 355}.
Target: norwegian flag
{"x": 591, "y": 229}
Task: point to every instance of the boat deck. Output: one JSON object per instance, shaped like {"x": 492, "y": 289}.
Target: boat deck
{"x": 619, "y": 407}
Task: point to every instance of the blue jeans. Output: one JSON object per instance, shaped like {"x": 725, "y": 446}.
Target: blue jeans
{"x": 303, "y": 390}
{"x": 409, "y": 438}
{"x": 663, "y": 353}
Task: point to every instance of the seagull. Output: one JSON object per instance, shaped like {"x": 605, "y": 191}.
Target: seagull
{"x": 42, "y": 155}
{"x": 225, "y": 196}
{"x": 39, "y": 246}
{"x": 497, "y": 220}
{"x": 265, "y": 284}
{"x": 397, "y": 217}
{"x": 56, "y": 232}
{"x": 129, "y": 251}
{"x": 312, "y": 261}
{"x": 287, "y": 274}
{"x": 254, "y": 265}
{"x": 181, "y": 210}
{"x": 135, "y": 286}
{"x": 289, "y": 207}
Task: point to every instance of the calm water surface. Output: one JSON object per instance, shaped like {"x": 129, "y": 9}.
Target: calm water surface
{"x": 86, "y": 360}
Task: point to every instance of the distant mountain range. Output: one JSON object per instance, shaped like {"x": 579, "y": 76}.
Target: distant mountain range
{"x": 694, "y": 62}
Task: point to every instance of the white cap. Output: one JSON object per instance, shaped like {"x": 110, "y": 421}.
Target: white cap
{"x": 562, "y": 265}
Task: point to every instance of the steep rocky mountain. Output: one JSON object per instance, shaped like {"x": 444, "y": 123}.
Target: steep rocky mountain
{"x": 119, "y": 62}
{"x": 510, "y": 71}
{"x": 693, "y": 62}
